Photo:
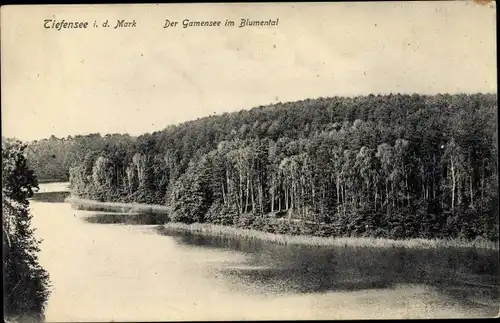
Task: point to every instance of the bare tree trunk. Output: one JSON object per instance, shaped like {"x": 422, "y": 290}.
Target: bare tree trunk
{"x": 279, "y": 201}
{"x": 286, "y": 197}
{"x": 117, "y": 177}
{"x": 223, "y": 194}
{"x": 252, "y": 195}
{"x": 407, "y": 190}
{"x": 261, "y": 199}
{"x": 302, "y": 193}
{"x": 338, "y": 190}
{"x": 247, "y": 191}
{"x": 453, "y": 186}
{"x": 227, "y": 183}
{"x": 343, "y": 198}
{"x": 434, "y": 177}
{"x": 241, "y": 192}
{"x": 272, "y": 196}
{"x": 459, "y": 189}
{"x": 312, "y": 190}
{"x": 392, "y": 193}
{"x": 368, "y": 191}
{"x": 386, "y": 191}
{"x": 471, "y": 193}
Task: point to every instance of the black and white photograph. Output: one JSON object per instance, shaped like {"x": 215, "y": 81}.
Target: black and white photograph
{"x": 249, "y": 161}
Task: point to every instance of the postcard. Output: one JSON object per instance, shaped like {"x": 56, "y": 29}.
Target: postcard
{"x": 249, "y": 161}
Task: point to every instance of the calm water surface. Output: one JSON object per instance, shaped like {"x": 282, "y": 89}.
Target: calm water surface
{"x": 113, "y": 272}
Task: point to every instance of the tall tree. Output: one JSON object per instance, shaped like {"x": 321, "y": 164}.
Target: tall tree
{"x": 25, "y": 281}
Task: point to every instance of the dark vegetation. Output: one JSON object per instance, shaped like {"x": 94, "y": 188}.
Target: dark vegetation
{"x": 25, "y": 282}
{"x": 395, "y": 166}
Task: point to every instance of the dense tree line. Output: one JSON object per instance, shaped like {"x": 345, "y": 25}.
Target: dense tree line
{"x": 393, "y": 166}
{"x": 52, "y": 158}
{"x": 25, "y": 282}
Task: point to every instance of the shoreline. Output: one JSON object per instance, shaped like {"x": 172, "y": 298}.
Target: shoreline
{"x": 214, "y": 230}
{"x": 51, "y": 180}
{"x": 92, "y": 205}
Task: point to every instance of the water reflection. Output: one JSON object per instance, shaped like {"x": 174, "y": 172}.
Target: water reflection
{"x": 467, "y": 275}
{"x": 126, "y": 218}
{"x": 50, "y": 197}
{"x": 51, "y": 193}
{"x": 137, "y": 275}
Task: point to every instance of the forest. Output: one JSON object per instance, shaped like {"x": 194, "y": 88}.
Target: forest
{"x": 395, "y": 166}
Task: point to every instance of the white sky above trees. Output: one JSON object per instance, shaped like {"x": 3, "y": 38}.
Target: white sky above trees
{"x": 141, "y": 80}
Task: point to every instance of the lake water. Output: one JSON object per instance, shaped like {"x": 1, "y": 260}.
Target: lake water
{"x": 113, "y": 272}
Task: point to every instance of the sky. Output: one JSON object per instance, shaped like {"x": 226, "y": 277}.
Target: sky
{"x": 144, "y": 78}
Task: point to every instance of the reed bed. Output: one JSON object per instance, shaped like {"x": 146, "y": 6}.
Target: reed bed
{"x": 214, "y": 230}
{"x": 91, "y": 205}
{"x": 283, "y": 239}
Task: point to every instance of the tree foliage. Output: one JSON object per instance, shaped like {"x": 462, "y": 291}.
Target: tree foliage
{"x": 25, "y": 281}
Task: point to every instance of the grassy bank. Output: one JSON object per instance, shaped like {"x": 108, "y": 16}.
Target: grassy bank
{"x": 90, "y": 205}
{"x": 283, "y": 239}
